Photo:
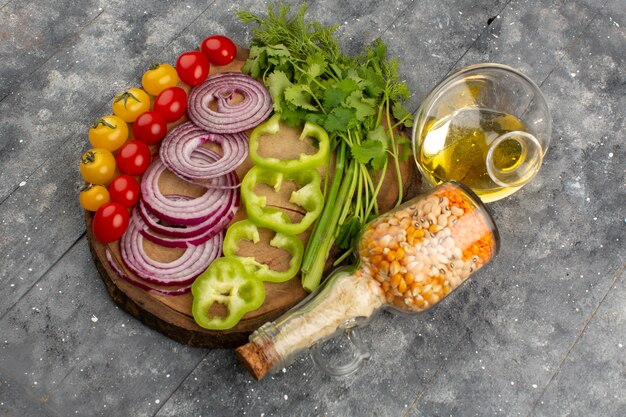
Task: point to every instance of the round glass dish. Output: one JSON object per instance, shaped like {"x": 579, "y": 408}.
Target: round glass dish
{"x": 487, "y": 126}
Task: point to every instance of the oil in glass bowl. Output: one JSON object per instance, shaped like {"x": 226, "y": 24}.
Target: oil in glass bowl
{"x": 487, "y": 126}
{"x": 457, "y": 147}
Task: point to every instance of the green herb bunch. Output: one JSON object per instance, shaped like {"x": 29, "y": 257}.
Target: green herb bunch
{"x": 357, "y": 99}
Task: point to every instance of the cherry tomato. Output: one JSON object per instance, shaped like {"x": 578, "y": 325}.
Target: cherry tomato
{"x": 158, "y": 78}
{"x": 131, "y": 103}
{"x": 150, "y": 127}
{"x": 110, "y": 222}
{"x": 171, "y": 103}
{"x": 192, "y": 67}
{"x": 97, "y": 166}
{"x": 124, "y": 189}
{"x": 108, "y": 132}
{"x": 93, "y": 197}
{"x": 133, "y": 157}
{"x": 219, "y": 49}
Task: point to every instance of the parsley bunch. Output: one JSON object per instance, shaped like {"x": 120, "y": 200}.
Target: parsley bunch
{"x": 357, "y": 99}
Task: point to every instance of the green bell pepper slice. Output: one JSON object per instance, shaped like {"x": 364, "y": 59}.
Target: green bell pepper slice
{"x": 246, "y": 230}
{"x": 225, "y": 281}
{"x": 305, "y": 161}
{"x": 309, "y": 197}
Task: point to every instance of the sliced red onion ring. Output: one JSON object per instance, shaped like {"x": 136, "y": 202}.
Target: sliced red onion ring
{"x": 208, "y": 157}
{"x": 179, "y": 152}
{"x": 229, "y": 117}
{"x": 164, "y": 290}
{"x": 181, "y": 271}
{"x": 182, "y": 237}
{"x": 184, "y": 212}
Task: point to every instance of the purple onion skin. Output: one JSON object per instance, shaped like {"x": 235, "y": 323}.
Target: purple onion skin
{"x": 229, "y": 118}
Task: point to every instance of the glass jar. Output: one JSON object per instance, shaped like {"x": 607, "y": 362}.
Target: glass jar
{"x": 409, "y": 259}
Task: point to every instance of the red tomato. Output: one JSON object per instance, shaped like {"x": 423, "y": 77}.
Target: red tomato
{"x": 192, "y": 67}
{"x": 150, "y": 127}
{"x": 171, "y": 103}
{"x": 219, "y": 49}
{"x": 110, "y": 222}
{"x": 133, "y": 157}
{"x": 124, "y": 189}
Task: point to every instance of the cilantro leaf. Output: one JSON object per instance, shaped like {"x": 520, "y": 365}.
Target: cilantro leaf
{"x": 399, "y": 112}
{"x": 373, "y": 83}
{"x": 370, "y": 150}
{"x": 300, "y": 95}
{"x": 317, "y": 118}
{"x": 292, "y": 115}
{"x": 316, "y": 65}
{"x": 277, "y": 82}
{"x": 374, "y": 149}
{"x": 339, "y": 119}
{"x": 363, "y": 107}
{"x": 256, "y": 62}
{"x": 333, "y": 97}
{"x": 348, "y": 85}
{"x": 378, "y": 134}
{"x": 378, "y": 162}
{"x": 277, "y": 51}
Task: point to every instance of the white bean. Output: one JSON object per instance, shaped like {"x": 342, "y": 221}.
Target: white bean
{"x": 433, "y": 200}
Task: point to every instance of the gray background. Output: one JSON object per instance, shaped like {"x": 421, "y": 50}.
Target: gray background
{"x": 540, "y": 331}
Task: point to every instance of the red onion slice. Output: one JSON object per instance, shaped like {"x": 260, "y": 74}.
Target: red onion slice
{"x": 181, "y": 271}
{"x": 144, "y": 285}
{"x": 184, "y": 212}
{"x": 182, "y": 237}
{"x": 207, "y": 156}
{"x": 229, "y": 117}
{"x": 181, "y": 152}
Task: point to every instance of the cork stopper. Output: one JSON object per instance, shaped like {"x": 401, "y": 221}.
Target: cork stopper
{"x": 254, "y": 358}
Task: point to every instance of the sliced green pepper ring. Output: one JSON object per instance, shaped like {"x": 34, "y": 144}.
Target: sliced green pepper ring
{"x": 305, "y": 161}
{"x": 246, "y": 230}
{"x": 225, "y": 281}
{"x": 309, "y": 197}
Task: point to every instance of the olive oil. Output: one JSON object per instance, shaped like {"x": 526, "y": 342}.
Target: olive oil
{"x": 456, "y": 147}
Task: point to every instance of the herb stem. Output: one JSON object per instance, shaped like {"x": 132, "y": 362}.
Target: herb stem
{"x": 312, "y": 278}
{"x": 320, "y": 230}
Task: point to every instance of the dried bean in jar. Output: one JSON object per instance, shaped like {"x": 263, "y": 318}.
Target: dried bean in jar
{"x": 430, "y": 247}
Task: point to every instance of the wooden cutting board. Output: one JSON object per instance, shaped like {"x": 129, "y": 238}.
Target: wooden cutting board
{"x": 171, "y": 315}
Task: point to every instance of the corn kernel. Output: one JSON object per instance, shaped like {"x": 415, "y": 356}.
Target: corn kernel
{"x": 395, "y": 280}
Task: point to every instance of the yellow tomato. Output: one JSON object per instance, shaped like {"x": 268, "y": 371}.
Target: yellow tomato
{"x": 158, "y": 78}
{"x": 98, "y": 166}
{"x": 108, "y": 132}
{"x": 131, "y": 103}
{"x": 93, "y": 197}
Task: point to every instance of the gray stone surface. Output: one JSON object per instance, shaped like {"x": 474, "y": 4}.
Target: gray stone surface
{"x": 599, "y": 368}
{"x": 539, "y": 331}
